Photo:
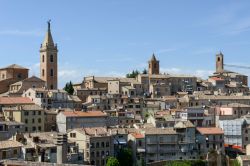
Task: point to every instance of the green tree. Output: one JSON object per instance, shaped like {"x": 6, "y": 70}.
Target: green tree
{"x": 234, "y": 163}
{"x": 133, "y": 74}
{"x": 144, "y": 71}
{"x": 69, "y": 88}
{"x": 112, "y": 161}
{"x": 125, "y": 157}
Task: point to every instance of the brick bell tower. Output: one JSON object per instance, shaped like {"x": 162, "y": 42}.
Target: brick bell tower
{"x": 219, "y": 63}
{"x": 48, "y": 60}
{"x": 153, "y": 66}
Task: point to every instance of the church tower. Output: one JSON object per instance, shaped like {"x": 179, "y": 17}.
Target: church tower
{"x": 153, "y": 66}
{"x": 48, "y": 60}
{"x": 219, "y": 63}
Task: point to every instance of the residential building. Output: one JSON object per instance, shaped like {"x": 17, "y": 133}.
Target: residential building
{"x": 18, "y": 88}
{"x": 96, "y": 142}
{"x": 10, "y": 149}
{"x": 70, "y": 119}
{"x": 10, "y": 75}
{"x": 45, "y": 147}
{"x": 31, "y": 115}
{"x": 53, "y": 98}
{"x": 9, "y": 128}
{"x": 210, "y": 138}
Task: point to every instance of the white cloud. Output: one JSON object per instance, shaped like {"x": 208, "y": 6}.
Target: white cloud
{"x": 198, "y": 73}
{"x": 17, "y": 32}
{"x": 161, "y": 51}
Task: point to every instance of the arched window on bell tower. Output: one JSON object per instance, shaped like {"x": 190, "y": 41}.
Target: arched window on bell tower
{"x": 51, "y": 58}
{"x": 43, "y": 72}
{"x": 51, "y": 72}
{"x": 43, "y": 58}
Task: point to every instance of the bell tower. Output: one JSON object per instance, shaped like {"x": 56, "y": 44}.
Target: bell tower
{"x": 48, "y": 60}
{"x": 219, "y": 63}
{"x": 153, "y": 65}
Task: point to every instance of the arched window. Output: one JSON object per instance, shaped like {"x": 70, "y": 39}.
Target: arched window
{"x": 218, "y": 59}
{"x": 42, "y": 72}
{"x": 43, "y": 58}
{"x": 51, "y": 72}
{"x": 51, "y": 86}
{"x": 51, "y": 58}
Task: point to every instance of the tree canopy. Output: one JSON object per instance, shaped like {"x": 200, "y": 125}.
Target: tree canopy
{"x": 69, "y": 88}
{"x": 125, "y": 157}
{"x": 112, "y": 161}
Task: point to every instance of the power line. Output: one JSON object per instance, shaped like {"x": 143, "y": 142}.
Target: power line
{"x": 238, "y": 66}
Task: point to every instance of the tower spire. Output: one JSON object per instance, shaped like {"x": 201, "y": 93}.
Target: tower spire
{"x": 49, "y": 24}
{"x": 48, "y": 40}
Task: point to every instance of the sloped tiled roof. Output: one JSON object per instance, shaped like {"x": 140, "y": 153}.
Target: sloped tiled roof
{"x": 83, "y": 114}
{"x": 210, "y": 130}
{"x": 137, "y": 135}
{"x": 9, "y": 144}
{"x": 14, "y": 66}
{"x": 15, "y": 100}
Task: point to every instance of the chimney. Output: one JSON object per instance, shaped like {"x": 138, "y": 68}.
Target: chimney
{"x": 62, "y": 147}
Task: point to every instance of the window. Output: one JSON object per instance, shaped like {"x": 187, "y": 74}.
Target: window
{"x": 39, "y": 120}
{"x": 3, "y": 154}
{"x": 26, "y": 113}
{"x": 33, "y": 128}
{"x": 33, "y": 120}
{"x": 140, "y": 143}
{"x": 97, "y": 145}
{"x": 51, "y": 87}
{"x": 34, "y": 112}
{"x": 218, "y": 59}
{"x": 72, "y": 135}
{"x": 246, "y": 138}
{"x": 51, "y": 72}
{"x": 92, "y": 145}
{"x": 39, "y": 112}
{"x": 26, "y": 121}
{"x": 15, "y": 152}
{"x": 19, "y": 75}
{"x": 51, "y": 58}
{"x": 43, "y": 58}
{"x": 97, "y": 154}
{"x": 3, "y": 76}
{"x": 26, "y": 128}
{"x": 43, "y": 72}
{"x": 107, "y": 144}
{"x": 39, "y": 128}
{"x": 103, "y": 145}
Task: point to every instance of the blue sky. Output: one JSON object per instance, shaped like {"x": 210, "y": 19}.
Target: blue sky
{"x": 113, "y": 37}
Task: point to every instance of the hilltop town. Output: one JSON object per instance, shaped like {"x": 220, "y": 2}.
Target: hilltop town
{"x": 151, "y": 117}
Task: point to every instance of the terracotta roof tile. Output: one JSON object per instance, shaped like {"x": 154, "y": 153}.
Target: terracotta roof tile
{"x": 210, "y": 130}
{"x": 9, "y": 144}
{"x": 137, "y": 135}
{"x": 83, "y": 114}
{"x": 15, "y": 100}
